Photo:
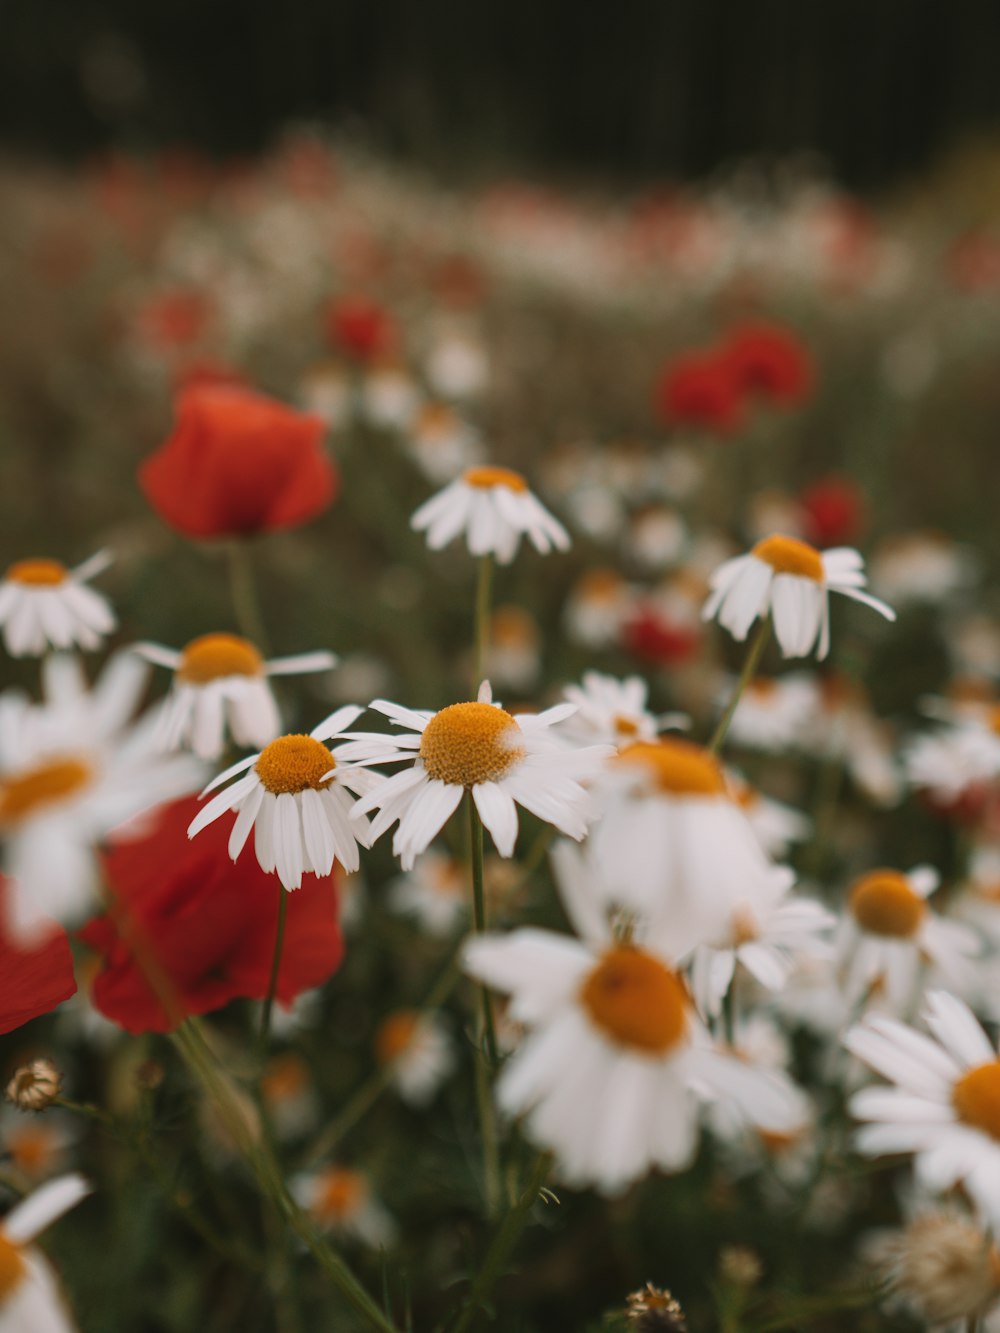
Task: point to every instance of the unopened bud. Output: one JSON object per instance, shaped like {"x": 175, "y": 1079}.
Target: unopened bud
{"x": 34, "y": 1086}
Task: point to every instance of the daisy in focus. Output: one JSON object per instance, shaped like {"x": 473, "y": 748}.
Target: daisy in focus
{"x": 945, "y": 1103}
{"x": 495, "y": 509}
{"x": 789, "y": 580}
{"x": 889, "y": 934}
{"x": 617, "y": 1062}
{"x": 71, "y": 770}
{"x": 220, "y": 684}
{"x": 295, "y": 797}
{"x": 30, "y": 1300}
{"x": 44, "y": 605}
{"x": 672, "y": 840}
{"x": 503, "y": 759}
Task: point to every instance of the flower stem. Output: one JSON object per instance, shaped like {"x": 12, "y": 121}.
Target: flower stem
{"x": 243, "y": 590}
{"x": 503, "y": 1243}
{"x": 486, "y": 1045}
{"x": 484, "y": 587}
{"x": 198, "y": 1056}
{"x": 753, "y": 657}
{"x": 479, "y": 920}
{"x": 272, "y": 985}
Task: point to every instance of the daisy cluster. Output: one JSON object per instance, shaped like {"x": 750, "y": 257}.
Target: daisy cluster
{"x": 646, "y": 818}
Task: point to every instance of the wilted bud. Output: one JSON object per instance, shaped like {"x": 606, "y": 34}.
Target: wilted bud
{"x": 944, "y": 1265}
{"x": 149, "y": 1075}
{"x": 739, "y": 1266}
{"x": 654, "y": 1310}
{"x": 34, "y": 1086}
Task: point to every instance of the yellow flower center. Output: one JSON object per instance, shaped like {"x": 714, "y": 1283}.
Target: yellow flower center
{"x": 787, "y": 555}
{"x": 12, "y": 1268}
{"x": 22, "y": 795}
{"x": 293, "y": 763}
{"x": 624, "y": 726}
{"x": 216, "y": 655}
{"x": 37, "y": 573}
{"x": 285, "y": 1078}
{"x": 340, "y": 1193}
{"x": 884, "y": 904}
{"x": 976, "y": 1098}
{"x": 395, "y": 1035}
{"x": 637, "y": 1001}
{"x": 678, "y": 767}
{"x": 484, "y": 477}
{"x": 466, "y": 744}
{"x": 33, "y": 1148}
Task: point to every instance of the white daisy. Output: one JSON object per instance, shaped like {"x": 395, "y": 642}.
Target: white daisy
{"x": 844, "y": 728}
{"x": 416, "y": 1045}
{"x": 945, "y": 1107}
{"x": 614, "y": 711}
{"x": 296, "y": 799}
{"x": 513, "y": 656}
{"x": 441, "y": 444}
{"x": 495, "y": 509}
{"x": 598, "y": 608}
{"x": 220, "y": 681}
{"x": 774, "y": 712}
{"x": 341, "y": 1201}
{"x": 888, "y": 935}
{"x": 952, "y": 762}
{"x": 776, "y": 824}
{"x": 71, "y": 771}
{"x": 917, "y": 567}
{"x": 612, "y": 1074}
{"x": 672, "y": 841}
{"x": 435, "y": 892}
{"x": 766, "y": 942}
{"x": 30, "y": 1300}
{"x": 788, "y": 579}
{"x": 44, "y": 605}
{"x": 503, "y": 759}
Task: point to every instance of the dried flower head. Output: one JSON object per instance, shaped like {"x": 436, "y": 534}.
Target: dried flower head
{"x": 654, "y": 1310}
{"x": 739, "y": 1265}
{"x": 34, "y": 1086}
{"x": 944, "y": 1265}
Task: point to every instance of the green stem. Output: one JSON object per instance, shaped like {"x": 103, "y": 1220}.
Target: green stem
{"x": 504, "y": 1241}
{"x": 479, "y": 921}
{"x": 197, "y": 1055}
{"x": 272, "y": 985}
{"x": 486, "y": 1055}
{"x": 243, "y": 590}
{"x": 753, "y": 657}
{"x": 484, "y": 586}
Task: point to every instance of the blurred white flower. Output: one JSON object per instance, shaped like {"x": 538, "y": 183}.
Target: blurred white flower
{"x": 493, "y": 507}
{"x": 44, "y": 605}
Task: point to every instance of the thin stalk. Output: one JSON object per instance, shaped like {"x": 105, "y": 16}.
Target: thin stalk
{"x": 484, "y": 587}
{"x": 243, "y": 590}
{"x": 486, "y": 1056}
{"x": 753, "y": 657}
{"x": 272, "y": 985}
{"x": 197, "y": 1055}
{"x": 504, "y": 1241}
{"x": 479, "y": 922}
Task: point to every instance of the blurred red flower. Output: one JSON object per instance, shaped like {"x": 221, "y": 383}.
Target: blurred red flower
{"x": 174, "y": 319}
{"x": 238, "y": 463}
{"x": 32, "y": 980}
{"x": 700, "y": 389}
{"x": 209, "y": 923}
{"x": 833, "y": 510}
{"x": 768, "y": 361}
{"x": 360, "y": 328}
{"x": 652, "y": 638}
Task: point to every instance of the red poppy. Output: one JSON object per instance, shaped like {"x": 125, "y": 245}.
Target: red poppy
{"x": 700, "y": 389}
{"x": 209, "y": 923}
{"x": 174, "y": 319}
{"x": 834, "y": 511}
{"x": 652, "y": 638}
{"x": 237, "y": 464}
{"x": 770, "y": 362}
{"x": 33, "y": 980}
{"x": 360, "y": 328}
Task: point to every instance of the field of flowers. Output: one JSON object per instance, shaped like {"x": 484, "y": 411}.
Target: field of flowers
{"x": 499, "y": 753}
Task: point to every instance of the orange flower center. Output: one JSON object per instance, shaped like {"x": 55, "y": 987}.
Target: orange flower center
{"x": 485, "y": 477}
{"x": 678, "y": 767}
{"x": 12, "y": 1268}
{"x": 466, "y": 744}
{"x": 216, "y": 655}
{"x": 285, "y": 1078}
{"x": 340, "y": 1192}
{"x": 293, "y": 763}
{"x": 600, "y": 585}
{"x": 449, "y": 880}
{"x": 624, "y": 726}
{"x": 395, "y": 1035}
{"x": 787, "y": 555}
{"x": 636, "y": 1001}
{"x": 33, "y": 1148}
{"x": 24, "y": 794}
{"x": 884, "y": 904}
{"x": 976, "y": 1098}
{"x": 37, "y": 573}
